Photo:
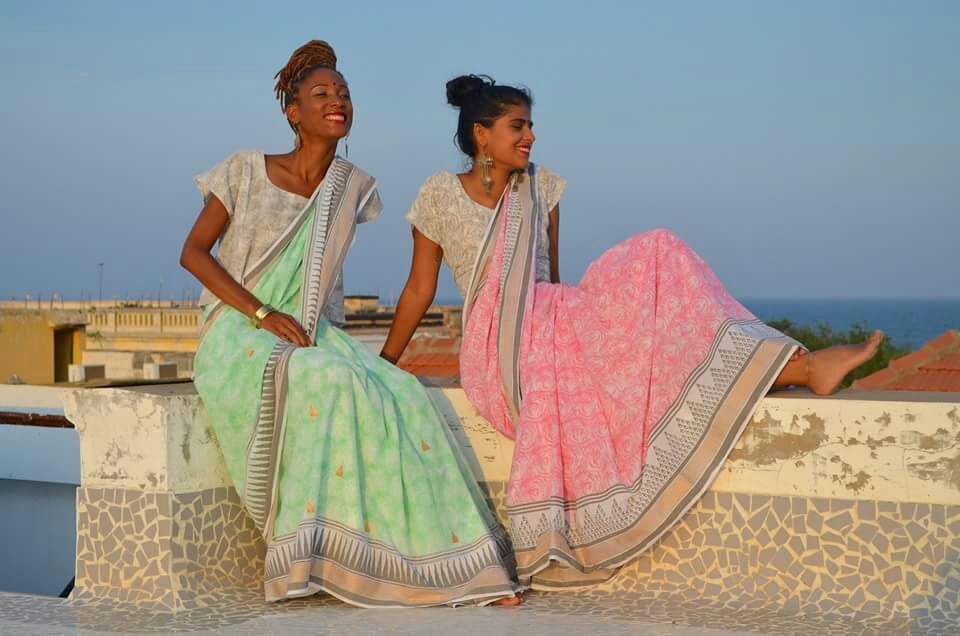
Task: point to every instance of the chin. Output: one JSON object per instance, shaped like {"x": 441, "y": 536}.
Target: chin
{"x": 517, "y": 163}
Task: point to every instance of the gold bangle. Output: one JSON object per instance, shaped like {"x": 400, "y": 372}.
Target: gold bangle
{"x": 258, "y": 316}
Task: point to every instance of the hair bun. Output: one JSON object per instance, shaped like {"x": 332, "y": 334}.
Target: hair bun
{"x": 460, "y": 89}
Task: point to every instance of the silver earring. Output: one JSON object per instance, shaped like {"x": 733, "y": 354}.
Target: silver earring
{"x": 346, "y": 147}
{"x": 485, "y": 179}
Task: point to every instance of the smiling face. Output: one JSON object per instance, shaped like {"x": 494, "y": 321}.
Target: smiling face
{"x": 509, "y": 140}
{"x": 322, "y": 108}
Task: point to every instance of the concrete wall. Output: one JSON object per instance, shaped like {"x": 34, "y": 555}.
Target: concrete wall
{"x": 847, "y": 503}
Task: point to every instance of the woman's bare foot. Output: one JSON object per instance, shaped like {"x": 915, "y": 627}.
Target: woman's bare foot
{"x": 510, "y": 601}
{"x": 826, "y": 368}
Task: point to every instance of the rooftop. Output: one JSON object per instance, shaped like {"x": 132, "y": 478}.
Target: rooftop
{"x": 933, "y": 367}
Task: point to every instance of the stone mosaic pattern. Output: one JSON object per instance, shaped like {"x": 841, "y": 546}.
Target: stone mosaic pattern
{"x": 832, "y": 554}
{"x": 741, "y": 562}
{"x": 811, "y": 556}
{"x": 162, "y": 548}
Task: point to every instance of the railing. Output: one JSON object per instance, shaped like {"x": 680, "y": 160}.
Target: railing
{"x": 140, "y": 321}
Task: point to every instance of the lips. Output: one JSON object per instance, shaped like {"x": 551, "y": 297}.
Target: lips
{"x": 339, "y": 117}
{"x": 524, "y": 150}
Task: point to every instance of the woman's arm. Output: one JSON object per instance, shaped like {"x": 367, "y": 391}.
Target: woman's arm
{"x": 553, "y": 232}
{"x": 417, "y": 295}
{"x": 196, "y": 259}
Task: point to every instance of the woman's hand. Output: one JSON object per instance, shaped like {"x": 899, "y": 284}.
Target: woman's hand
{"x": 285, "y": 327}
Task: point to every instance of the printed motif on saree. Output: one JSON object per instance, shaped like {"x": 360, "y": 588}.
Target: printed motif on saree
{"x": 341, "y": 459}
{"x": 624, "y": 394}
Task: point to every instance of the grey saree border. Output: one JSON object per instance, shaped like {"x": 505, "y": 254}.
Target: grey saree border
{"x": 557, "y": 507}
{"x": 696, "y": 491}
{"x": 259, "y": 491}
{"x": 516, "y": 282}
{"x": 314, "y": 293}
{"x": 316, "y": 583}
{"x": 684, "y": 504}
{"x": 323, "y": 539}
{"x": 697, "y": 372}
{"x": 478, "y": 274}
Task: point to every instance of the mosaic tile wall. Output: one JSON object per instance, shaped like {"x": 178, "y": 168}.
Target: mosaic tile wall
{"x": 802, "y": 554}
{"x": 798, "y": 554}
{"x": 166, "y": 548}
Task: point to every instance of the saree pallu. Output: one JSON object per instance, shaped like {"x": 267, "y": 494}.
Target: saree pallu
{"x": 341, "y": 459}
{"x": 624, "y": 394}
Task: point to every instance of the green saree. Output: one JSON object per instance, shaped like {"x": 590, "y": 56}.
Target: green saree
{"x": 340, "y": 458}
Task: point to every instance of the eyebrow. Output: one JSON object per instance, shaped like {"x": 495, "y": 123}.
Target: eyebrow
{"x": 521, "y": 120}
{"x": 344, "y": 85}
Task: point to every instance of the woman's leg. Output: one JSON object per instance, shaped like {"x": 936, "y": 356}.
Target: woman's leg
{"x": 822, "y": 371}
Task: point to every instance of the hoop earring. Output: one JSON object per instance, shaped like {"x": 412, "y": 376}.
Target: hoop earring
{"x": 485, "y": 179}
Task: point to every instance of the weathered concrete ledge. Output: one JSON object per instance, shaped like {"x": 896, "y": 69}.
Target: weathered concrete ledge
{"x": 847, "y": 504}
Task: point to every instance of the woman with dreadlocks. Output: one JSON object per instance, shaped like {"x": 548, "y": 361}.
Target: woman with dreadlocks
{"x": 341, "y": 460}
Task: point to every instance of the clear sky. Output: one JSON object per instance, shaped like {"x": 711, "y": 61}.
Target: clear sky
{"x": 805, "y": 149}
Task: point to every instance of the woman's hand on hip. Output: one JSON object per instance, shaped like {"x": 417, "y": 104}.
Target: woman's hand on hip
{"x": 286, "y": 327}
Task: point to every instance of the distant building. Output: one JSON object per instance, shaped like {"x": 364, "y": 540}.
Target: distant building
{"x": 933, "y": 367}
{"x": 37, "y": 346}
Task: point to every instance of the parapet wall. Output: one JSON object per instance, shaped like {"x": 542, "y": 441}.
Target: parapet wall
{"x": 847, "y": 504}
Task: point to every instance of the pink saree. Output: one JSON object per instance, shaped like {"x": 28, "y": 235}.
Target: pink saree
{"x": 624, "y": 394}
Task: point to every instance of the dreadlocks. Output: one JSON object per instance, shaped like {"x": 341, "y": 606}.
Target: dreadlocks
{"x": 309, "y": 57}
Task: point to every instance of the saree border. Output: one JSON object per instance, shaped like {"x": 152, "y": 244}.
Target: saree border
{"x": 687, "y": 449}
{"x": 369, "y": 567}
{"x": 263, "y": 450}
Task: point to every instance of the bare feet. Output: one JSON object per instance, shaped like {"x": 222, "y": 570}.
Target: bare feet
{"x": 510, "y": 601}
{"x": 826, "y": 368}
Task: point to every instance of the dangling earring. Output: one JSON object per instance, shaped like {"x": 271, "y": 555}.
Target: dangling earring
{"x": 296, "y": 135}
{"x": 485, "y": 179}
{"x": 346, "y": 147}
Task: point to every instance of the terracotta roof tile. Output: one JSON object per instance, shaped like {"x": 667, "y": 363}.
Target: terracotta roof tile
{"x": 877, "y": 380}
{"x": 935, "y": 367}
{"x": 437, "y": 365}
{"x": 928, "y": 380}
{"x": 946, "y": 339}
{"x": 951, "y": 362}
{"x": 914, "y": 359}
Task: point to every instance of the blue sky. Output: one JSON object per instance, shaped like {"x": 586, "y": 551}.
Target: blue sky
{"x": 803, "y": 149}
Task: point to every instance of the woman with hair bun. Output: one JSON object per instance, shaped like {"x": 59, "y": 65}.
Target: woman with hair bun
{"x": 341, "y": 460}
{"x": 624, "y": 393}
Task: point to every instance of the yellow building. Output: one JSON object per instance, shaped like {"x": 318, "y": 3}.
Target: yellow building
{"x": 38, "y": 346}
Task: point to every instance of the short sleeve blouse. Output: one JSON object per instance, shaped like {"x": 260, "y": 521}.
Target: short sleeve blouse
{"x": 259, "y": 212}
{"x": 445, "y": 214}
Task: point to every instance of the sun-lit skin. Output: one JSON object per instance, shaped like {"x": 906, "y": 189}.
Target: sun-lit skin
{"x": 322, "y": 113}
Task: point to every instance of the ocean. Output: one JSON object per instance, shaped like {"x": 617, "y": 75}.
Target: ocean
{"x": 907, "y": 323}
